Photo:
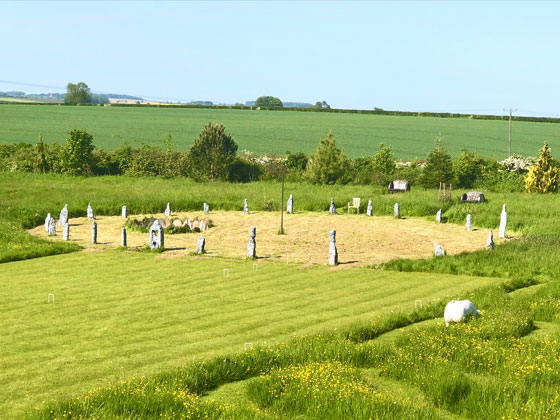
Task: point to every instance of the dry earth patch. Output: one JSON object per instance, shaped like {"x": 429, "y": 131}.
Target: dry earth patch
{"x": 361, "y": 240}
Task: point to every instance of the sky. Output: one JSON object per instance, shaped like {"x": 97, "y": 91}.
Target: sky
{"x": 470, "y": 57}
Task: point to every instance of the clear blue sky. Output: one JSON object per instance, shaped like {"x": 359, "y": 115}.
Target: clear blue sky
{"x": 432, "y": 56}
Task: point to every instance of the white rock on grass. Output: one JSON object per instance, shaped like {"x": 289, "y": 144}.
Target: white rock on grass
{"x": 457, "y": 310}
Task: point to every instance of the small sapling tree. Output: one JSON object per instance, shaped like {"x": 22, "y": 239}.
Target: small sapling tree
{"x": 439, "y": 166}
{"x": 328, "y": 165}
{"x": 78, "y": 152}
{"x": 543, "y": 176}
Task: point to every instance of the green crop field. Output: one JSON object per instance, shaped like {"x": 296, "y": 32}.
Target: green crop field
{"x": 272, "y": 131}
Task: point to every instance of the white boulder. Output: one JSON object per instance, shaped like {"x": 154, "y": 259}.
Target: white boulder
{"x": 457, "y": 310}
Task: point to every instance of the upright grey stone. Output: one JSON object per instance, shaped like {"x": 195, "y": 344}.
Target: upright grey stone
{"x": 439, "y": 252}
{"x": 396, "y": 211}
{"x": 66, "y": 232}
{"x": 156, "y": 235}
{"x": 438, "y": 216}
{"x": 124, "y": 215}
{"x": 490, "y": 241}
{"x": 63, "y": 215}
{"x": 200, "y": 245}
{"x": 290, "y": 206}
{"x": 332, "y": 208}
{"x": 369, "y": 211}
{"x": 89, "y": 212}
{"x": 245, "y": 207}
{"x": 469, "y": 222}
{"x": 94, "y": 233}
{"x": 168, "y": 210}
{"x": 252, "y": 245}
{"x": 333, "y": 253}
{"x": 52, "y": 227}
{"x": 123, "y": 237}
{"x": 47, "y": 220}
{"x": 205, "y": 208}
{"x": 503, "y": 222}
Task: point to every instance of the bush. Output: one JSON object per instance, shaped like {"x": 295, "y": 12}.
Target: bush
{"x": 468, "y": 169}
{"x": 212, "y": 154}
{"x": 439, "y": 166}
{"x": 543, "y": 176}
{"x": 328, "y": 165}
{"x": 77, "y": 153}
{"x": 243, "y": 170}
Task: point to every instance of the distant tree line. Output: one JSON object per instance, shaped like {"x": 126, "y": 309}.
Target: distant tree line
{"x": 213, "y": 157}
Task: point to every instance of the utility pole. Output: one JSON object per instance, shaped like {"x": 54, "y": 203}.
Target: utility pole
{"x": 509, "y": 144}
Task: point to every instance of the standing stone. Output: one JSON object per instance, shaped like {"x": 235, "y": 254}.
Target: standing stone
{"x": 245, "y": 207}
{"x": 503, "y": 222}
{"x": 200, "y": 245}
{"x": 123, "y": 237}
{"x": 203, "y": 225}
{"x": 397, "y": 211}
{"x": 52, "y": 227}
{"x": 123, "y": 212}
{"x": 333, "y": 253}
{"x": 252, "y": 245}
{"x": 94, "y": 233}
{"x": 89, "y": 212}
{"x": 332, "y": 208}
{"x": 490, "y": 241}
{"x": 168, "y": 210}
{"x": 438, "y": 216}
{"x": 47, "y": 220}
{"x": 469, "y": 222}
{"x": 205, "y": 208}
{"x": 439, "y": 252}
{"x": 290, "y": 206}
{"x": 156, "y": 235}
{"x": 369, "y": 211}
{"x": 63, "y": 215}
{"x": 66, "y": 232}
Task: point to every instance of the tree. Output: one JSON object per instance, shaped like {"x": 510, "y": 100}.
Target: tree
{"x": 41, "y": 158}
{"x": 321, "y": 105}
{"x": 328, "y": 165}
{"x": 212, "y": 154}
{"x": 439, "y": 166}
{"x": 77, "y": 93}
{"x": 77, "y": 153}
{"x": 468, "y": 168}
{"x": 268, "y": 102}
{"x": 543, "y": 176}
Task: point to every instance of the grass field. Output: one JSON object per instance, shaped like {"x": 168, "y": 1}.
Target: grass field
{"x": 118, "y": 315}
{"x": 274, "y": 132}
{"x": 173, "y": 329}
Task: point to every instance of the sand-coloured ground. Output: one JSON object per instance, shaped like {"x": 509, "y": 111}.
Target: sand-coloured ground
{"x": 360, "y": 240}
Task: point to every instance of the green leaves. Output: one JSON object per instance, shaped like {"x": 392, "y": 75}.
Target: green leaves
{"x": 212, "y": 154}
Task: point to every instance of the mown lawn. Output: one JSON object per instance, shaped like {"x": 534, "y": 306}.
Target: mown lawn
{"x": 122, "y": 314}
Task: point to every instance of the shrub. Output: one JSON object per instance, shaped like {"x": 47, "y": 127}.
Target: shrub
{"x": 328, "y": 165}
{"x": 468, "y": 168}
{"x": 543, "y": 176}
{"x": 212, "y": 154}
{"x": 439, "y": 166}
{"x": 77, "y": 153}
